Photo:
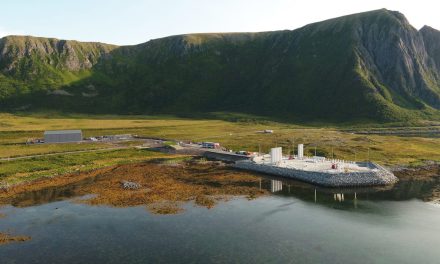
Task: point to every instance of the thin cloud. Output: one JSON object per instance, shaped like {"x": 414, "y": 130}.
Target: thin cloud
{"x": 5, "y": 32}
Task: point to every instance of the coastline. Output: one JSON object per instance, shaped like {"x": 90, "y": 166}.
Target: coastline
{"x": 427, "y": 171}
{"x": 378, "y": 176}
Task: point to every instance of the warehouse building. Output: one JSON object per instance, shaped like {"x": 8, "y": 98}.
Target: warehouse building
{"x": 62, "y": 136}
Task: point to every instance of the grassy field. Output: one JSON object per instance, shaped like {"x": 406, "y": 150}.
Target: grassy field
{"x": 16, "y": 171}
{"x": 241, "y": 134}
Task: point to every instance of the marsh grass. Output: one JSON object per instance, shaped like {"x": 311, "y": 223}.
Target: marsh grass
{"x": 237, "y": 134}
{"x": 6, "y": 238}
{"x": 13, "y": 172}
{"x": 163, "y": 189}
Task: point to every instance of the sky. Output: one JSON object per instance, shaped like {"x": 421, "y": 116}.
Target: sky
{"x": 128, "y": 22}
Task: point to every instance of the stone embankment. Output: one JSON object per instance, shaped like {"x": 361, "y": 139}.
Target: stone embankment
{"x": 224, "y": 156}
{"x": 378, "y": 175}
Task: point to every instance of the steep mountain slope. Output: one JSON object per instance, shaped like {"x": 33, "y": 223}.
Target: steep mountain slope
{"x": 431, "y": 38}
{"x": 30, "y": 65}
{"x": 372, "y": 65}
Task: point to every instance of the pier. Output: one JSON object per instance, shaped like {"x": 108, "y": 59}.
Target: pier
{"x": 319, "y": 170}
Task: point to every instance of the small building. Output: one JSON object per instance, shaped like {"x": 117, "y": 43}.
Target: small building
{"x": 211, "y": 145}
{"x": 62, "y": 136}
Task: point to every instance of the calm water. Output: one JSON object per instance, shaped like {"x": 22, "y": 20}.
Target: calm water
{"x": 295, "y": 224}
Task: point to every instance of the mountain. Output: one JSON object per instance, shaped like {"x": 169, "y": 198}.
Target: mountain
{"x": 30, "y": 66}
{"x": 372, "y": 65}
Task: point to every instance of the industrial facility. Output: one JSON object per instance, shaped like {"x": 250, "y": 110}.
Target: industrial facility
{"x": 318, "y": 170}
{"x": 62, "y": 136}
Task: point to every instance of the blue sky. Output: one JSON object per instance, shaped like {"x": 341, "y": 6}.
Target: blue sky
{"x": 137, "y": 21}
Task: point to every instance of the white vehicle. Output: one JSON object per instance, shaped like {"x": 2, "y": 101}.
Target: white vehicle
{"x": 211, "y": 145}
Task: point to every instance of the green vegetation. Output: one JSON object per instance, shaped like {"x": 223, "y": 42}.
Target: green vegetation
{"x": 311, "y": 85}
{"x": 32, "y": 68}
{"x": 11, "y": 150}
{"x": 236, "y": 135}
{"x": 16, "y": 171}
{"x": 332, "y": 71}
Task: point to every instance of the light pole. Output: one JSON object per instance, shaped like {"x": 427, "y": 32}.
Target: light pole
{"x": 293, "y": 145}
{"x": 368, "y": 153}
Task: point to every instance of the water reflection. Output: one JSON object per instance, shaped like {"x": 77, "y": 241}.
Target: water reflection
{"x": 352, "y": 198}
{"x": 338, "y": 197}
{"x": 345, "y": 199}
{"x": 276, "y": 186}
{"x": 288, "y": 220}
{"x": 162, "y": 188}
{"x": 50, "y": 194}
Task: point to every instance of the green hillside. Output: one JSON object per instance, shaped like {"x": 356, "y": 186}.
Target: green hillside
{"x": 36, "y": 67}
{"x": 372, "y": 65}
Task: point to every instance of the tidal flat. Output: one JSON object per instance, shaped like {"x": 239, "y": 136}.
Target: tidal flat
{"x": 163, "y": 185}
{"x": 202, "y": 211}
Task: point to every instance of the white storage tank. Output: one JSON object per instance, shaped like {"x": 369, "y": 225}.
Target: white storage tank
{"x": 276, "y": 155}
{"x": 300, "y": 151}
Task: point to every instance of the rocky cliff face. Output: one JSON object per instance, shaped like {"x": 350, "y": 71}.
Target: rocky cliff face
{"x": 393, "y": 54}
{"x": 431, "y": 39}
{"x": 23, "y": 52}
{"x": 371, "y": 65}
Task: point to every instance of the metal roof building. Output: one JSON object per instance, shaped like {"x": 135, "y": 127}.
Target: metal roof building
{"x": 62, "y": 136}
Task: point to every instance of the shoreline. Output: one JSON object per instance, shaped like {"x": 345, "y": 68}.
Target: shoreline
{"x": 427, "y": 171}
{"x": 378, "y": 177}
{"x": 159, "y": 185}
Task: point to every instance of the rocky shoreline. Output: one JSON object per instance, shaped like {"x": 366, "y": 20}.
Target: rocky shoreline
{"x": 377, "y": 177}
{"x": 427, "y": 171}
